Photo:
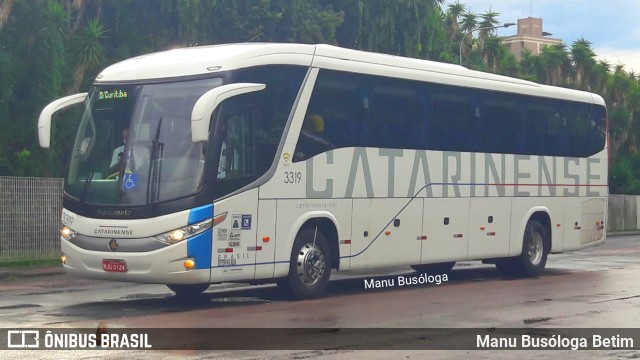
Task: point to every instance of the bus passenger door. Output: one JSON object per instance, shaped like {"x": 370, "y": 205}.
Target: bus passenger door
{"x": 234, "y": 140}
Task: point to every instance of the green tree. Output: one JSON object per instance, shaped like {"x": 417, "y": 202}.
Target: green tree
{"x": 400, "y": 27}
{"x": 554, "y": 65}
{"x": 529, "y": 65}
{"x": 600, "y": 76}
{"x": 89, "y": 52}
{"x": 452, "y": 25}
{"x": 452, "y": 19}
{"x": 583, "y": 59}
{"x": 493, "y": 52}
{"x": 489, "y": 20}
{"x": 623, "y": 125}
{"x": 468, "y": 23}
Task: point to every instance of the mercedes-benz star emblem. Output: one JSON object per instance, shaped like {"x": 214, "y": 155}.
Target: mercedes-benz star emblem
{"x": 113, "y": 245}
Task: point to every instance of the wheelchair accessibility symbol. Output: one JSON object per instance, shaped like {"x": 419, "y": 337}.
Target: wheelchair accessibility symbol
{"x": 129, "y": 181}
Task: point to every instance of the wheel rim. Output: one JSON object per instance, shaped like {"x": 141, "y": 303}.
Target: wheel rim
{"x": 311, "y": 264}
{"x": 535, "y": 248}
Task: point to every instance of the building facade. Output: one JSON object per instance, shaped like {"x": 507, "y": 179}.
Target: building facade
{"x": 530, "y": 36}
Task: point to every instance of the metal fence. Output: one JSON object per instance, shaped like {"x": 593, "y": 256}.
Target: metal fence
{"x": 29, "y": 218}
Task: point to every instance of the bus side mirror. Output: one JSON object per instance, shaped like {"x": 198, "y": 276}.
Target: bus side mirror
{"x": 44, "y": 121}
{"x": 207, "y": 103}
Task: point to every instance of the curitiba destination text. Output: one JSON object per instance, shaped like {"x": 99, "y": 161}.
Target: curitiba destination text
{"x": 401, "y": 280}
{"x": 554, "y": 342}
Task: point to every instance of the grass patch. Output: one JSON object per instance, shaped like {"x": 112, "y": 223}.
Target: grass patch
{"x": 30, "y": 263}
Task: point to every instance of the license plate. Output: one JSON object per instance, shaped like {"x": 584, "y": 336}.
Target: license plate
{"x": 114, "y": 265}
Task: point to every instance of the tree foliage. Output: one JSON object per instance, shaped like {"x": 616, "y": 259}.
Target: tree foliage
{"x": 50, "y": 48}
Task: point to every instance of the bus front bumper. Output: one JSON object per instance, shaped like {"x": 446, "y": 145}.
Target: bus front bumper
{"x": 162, "y": 266}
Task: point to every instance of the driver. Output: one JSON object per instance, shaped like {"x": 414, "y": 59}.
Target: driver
{"x": 116, "y": 157}
{"x": 133, "y": 156}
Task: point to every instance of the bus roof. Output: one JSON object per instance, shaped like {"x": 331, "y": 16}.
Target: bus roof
{"x": 200, "y": 60}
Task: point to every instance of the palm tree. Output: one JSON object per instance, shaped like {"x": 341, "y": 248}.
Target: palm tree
{"x": 89, "y": 52}
{"x": 529, "y": 65}
{"x": 509, "y": 66}
{"x": 492, "y": 52}
{"x": 623, "y": 100}
{"x": 620, "y": 86}
{"x": 599, "y": 78}
{"x": 489, "y": 20}
{"x": 52, "y": 34}
{"x": 468, "y": 24}
{"x": 469, "y": 21}
{"x": 554, "y": 64}
{"x": 583, "y": 59}
{"x": 452, "y": 18}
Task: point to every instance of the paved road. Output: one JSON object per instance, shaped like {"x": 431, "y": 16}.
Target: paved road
{"x": 595, "y": 287}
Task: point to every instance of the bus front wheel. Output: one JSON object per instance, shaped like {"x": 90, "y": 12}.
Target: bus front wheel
{"x": 535, "y": 248}
{"x": 310, "y": 266}
{"x": 188, "y": 289}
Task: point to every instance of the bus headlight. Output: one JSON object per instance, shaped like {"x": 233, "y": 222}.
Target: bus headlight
{"x": 186, "y": 232}
{"x": 67, "y": 232}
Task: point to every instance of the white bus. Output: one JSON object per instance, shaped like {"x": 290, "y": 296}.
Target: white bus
{"x": 282, "y": 162}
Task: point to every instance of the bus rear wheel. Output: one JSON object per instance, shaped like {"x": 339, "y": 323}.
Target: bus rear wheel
{"x": 188, "y": 289}
{"x": 439, "y": 268}
{"x": 310, "y": 266}
{"x": 533, "y": 259}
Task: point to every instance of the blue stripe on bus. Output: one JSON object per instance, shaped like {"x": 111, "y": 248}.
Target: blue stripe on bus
{"x": 199, "y": 249}
{"x": 200, "y": 213}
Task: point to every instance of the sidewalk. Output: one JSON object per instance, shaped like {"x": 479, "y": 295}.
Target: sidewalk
{"x": 8, "y": 273}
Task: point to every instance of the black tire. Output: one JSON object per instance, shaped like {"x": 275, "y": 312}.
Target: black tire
{"x": 439, "y": 268}
{"x": 309, "y": 266}
{"x": 188, "y": 289}
{"x": 533, "y": 259}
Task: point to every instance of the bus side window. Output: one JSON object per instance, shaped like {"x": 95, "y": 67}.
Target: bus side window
{"x": 597, "y": 129}
{"x": 423, "y": 118}
{"x": 455, "y": 119}
{"x": 272, "y": 108}
{"x": 237, "y": 148}
{"x": 557, "y": 132}
{"x": 393, "y": 118}
{"x": 580, "y": 128}
{"x": 335, "y": 116}
{"x": 524, "y": 127}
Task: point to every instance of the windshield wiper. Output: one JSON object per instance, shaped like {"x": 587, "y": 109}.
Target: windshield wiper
{"x": 155, "y": 168}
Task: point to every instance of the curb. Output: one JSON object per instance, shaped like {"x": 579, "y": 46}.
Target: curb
{"x": 623, "y": 233}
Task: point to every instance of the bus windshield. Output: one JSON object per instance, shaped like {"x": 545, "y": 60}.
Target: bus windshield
{"x": 133, "y": 146}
